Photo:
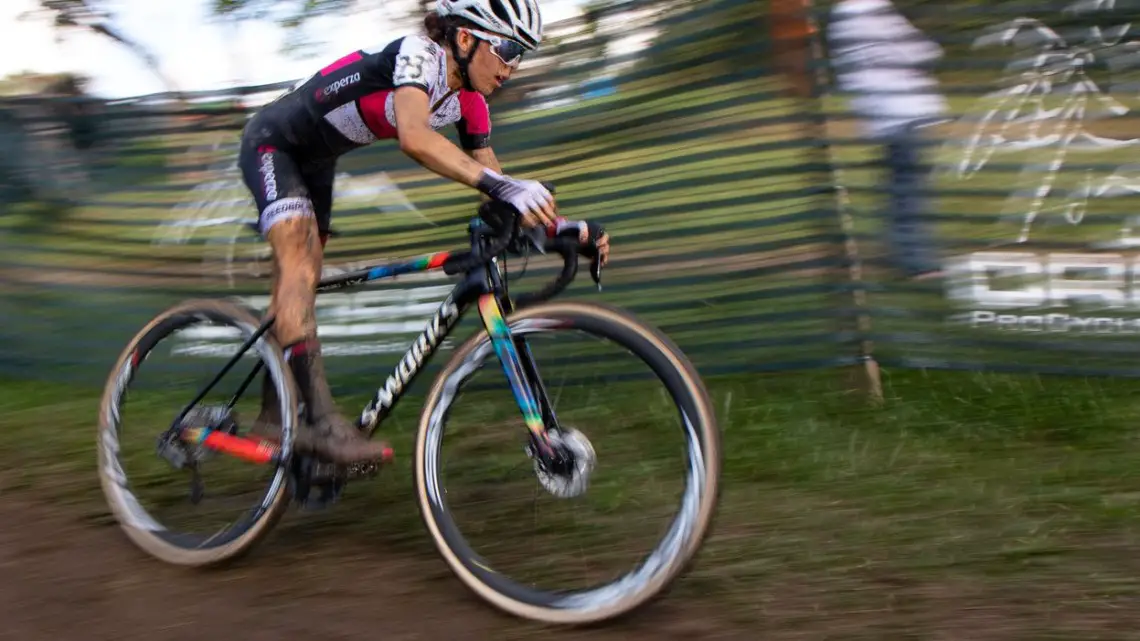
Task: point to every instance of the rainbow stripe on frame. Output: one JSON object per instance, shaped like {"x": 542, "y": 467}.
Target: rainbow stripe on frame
{"x": 421, "y": 264}
{"x": 501, "y": 338}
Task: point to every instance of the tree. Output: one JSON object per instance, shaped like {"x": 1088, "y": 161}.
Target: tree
{"x": 294, "y": 15}
{"x": 726, "y": 33}
{"x": 93, "y": 16}
{"x": 290, "y": 13}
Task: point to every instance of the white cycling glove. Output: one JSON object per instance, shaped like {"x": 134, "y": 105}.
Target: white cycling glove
{"x": 523, "y": 195}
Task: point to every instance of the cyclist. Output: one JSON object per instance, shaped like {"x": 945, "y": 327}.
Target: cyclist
{"x": 405, "y": 91}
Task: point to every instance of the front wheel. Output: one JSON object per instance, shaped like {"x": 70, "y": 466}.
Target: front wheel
{"x": 619, "y": 379}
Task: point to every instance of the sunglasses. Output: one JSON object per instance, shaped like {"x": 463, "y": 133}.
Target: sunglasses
{"x": 509, "y": 51}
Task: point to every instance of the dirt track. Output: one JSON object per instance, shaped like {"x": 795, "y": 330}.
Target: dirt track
{"x": 64, "y": 578}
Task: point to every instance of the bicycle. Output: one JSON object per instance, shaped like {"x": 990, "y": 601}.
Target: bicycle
{"x": 562, "y": 457}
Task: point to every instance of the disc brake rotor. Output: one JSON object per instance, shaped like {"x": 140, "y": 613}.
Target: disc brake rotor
{"x": 575, "y": 478}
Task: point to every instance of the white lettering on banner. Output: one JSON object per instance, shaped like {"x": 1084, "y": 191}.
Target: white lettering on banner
{"x": 1054, "y": 323}
{"x": 369, "y": 321}
{"x": 996, "y": 286}
{"x": 1046, "y": 105}
{"x": 227, "y": 350}
{"x": 217, "y": 214}
{"x": 1055, "y": 280}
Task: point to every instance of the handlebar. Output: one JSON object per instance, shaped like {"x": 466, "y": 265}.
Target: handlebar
{"x": 568, "y": 248}
{"x": 503, "y": 220}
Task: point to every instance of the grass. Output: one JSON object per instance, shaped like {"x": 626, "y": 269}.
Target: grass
{"x": 979, "y": 506}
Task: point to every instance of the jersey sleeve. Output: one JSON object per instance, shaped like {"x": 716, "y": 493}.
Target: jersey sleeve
{"x": 474, "y": 123}
{"x": 417, "y": 63}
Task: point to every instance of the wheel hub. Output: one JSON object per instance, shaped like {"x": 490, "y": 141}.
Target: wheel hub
{"x": 568, "y": 474}
{"x": 218, "y": 418}
{"x": 181, "y": 454}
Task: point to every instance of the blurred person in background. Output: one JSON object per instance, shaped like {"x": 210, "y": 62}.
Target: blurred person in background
{"x": 405, "y": 91}
{"x": 880, "y": 61}
{"x": 792, "y": 31}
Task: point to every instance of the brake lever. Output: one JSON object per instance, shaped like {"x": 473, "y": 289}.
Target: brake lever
{"x": 536, "y": 236}
{"x": 596, "y": 271}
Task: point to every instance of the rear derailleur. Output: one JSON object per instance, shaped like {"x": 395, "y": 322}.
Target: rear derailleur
{"x": 188, "y": 456}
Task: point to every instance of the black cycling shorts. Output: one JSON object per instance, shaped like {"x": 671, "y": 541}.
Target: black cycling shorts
{"x": 284, "y": 186}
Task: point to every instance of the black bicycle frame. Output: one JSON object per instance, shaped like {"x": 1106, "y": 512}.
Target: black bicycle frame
{"x": 482, "y": 286}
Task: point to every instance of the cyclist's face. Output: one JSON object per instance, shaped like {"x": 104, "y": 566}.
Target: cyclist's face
{"x": 488, "y": 72}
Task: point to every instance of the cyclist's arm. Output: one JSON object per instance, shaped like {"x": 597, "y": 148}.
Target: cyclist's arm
{"x": 474, "y": 129}
{"x": 485, "y": 157}
{"x": 427, "y": 146}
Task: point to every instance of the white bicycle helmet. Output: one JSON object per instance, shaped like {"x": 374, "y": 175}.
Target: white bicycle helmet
{"x": 519, "y": 20}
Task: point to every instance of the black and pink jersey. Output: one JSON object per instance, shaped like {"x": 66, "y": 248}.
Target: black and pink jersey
{"x": 349, "y": 104}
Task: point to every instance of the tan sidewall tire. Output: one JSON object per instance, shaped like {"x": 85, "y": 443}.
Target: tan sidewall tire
{"x": 148, "y": 542}
{"x": 709, "y": 433}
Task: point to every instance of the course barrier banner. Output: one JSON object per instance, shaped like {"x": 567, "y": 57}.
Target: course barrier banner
{"x": 670, "y": 123}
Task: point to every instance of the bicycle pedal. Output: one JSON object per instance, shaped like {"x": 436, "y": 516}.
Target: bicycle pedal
{"x": 363, "y": 470}
{"x": 371, "y": 468}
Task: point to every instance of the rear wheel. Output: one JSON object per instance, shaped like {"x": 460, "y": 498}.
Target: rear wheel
{"x": 655, "y": 385}
{"x": 260, "y": 501}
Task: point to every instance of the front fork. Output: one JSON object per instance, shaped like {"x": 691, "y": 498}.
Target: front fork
{"x": 522, "y": 374}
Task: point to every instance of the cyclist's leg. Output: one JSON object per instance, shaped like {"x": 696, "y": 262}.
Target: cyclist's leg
{"x": 320, "y": 179}
{"x": 268, "y": 422}
{"x": 289, "y": 220}
{"x": 343, "y": 441}
{"x": 269, "y": 174}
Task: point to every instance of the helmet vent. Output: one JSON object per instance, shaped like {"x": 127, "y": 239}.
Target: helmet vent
{"x": 501, "y": 12}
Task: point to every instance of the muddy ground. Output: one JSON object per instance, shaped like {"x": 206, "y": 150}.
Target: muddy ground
{"x": 66, "y": 576}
